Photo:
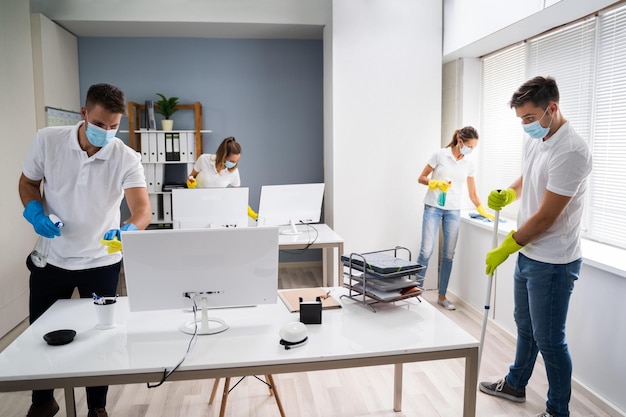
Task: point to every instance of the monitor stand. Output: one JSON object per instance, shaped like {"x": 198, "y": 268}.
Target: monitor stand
{"x": 293, "y": 230}
{"x": 206, "y": 324}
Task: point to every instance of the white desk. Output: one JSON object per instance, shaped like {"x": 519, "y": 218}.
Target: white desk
{"x": 327, "y": 240}
{"x": 144, "y": 343}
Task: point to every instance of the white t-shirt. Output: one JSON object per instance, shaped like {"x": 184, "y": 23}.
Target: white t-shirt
{"x": 209, "y": 177}
{"x": 447, "y": 168}
{"x": 560, "y": 165}
{"x": 84, "y": 192}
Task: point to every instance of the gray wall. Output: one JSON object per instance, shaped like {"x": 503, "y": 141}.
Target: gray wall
{"x": 266, "y": 93}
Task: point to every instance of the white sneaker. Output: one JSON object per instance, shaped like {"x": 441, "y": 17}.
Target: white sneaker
{"x": 545, "y": 414}
{"x": 446, "y": 304}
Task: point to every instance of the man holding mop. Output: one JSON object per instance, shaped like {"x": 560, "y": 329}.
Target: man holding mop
{"x": 552, "y": 187}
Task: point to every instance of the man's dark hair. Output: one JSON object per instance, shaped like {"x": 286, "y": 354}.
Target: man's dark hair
{"x": 108, "y": 96}
{"x": 539, "y": 91}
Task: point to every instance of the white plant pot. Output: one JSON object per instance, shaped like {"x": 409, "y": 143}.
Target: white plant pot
{"x": 167, "y": 124}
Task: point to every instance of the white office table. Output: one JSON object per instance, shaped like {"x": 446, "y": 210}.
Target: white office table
{"x": 326, "y": 239}
{"x": 142, "y": 344}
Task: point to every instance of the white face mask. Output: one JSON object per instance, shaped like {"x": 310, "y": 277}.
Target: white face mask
{"x": 465, "y": 150}
{"x": 535, "y": 130}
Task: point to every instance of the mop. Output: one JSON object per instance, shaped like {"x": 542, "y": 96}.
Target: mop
{"x": 494, "y": 245}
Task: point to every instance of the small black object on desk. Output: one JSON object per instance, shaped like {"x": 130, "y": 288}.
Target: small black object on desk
{"x": 59, "y": 337}
{"x": 311, "y": 311}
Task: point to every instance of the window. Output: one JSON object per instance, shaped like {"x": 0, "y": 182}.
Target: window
{"x": 588, "y": 61}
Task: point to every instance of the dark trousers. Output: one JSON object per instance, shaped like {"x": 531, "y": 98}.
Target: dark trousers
{"x": 49, "y": 284}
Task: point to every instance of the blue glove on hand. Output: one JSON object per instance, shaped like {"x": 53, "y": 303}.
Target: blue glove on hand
{"x": 33, "y": 212}
{"x": 117, "y": 233}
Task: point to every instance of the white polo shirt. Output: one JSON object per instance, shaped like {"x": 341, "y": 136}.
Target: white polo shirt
{"x": 446, "y": 167}
{"x": 561, "y": 165}
{"x": 85, "y": 192}
{"x": 209, "y": 177}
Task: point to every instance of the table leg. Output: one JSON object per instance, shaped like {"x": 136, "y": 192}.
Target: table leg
{"x": 397, "y": 387}
{"x": 70, "y": 402}
{"x": 325, "y": 259}
{"x": 471, "y": 381}
{"x": 338, "y": 282}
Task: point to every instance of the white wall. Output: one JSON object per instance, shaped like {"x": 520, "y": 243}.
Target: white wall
{"x": 386, "y": 113}
{"x": 55, "y": 57}
{"x": 17, "y": 118}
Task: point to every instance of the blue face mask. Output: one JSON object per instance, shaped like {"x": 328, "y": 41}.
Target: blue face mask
{"x": 535, "y": 130}
{"x": 466, "y": 150}
{"x": 98, "y": 136}
{"x": 229, "y": 164}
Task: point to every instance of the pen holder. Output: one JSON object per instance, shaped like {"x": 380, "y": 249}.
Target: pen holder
{"x": 311, "y": 311}
{"x": 105, "y": 313}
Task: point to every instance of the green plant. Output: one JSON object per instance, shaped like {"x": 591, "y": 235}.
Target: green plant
{"x": 166, "y": 106}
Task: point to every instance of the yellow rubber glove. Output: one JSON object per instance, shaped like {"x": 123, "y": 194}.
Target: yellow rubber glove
{"x": 113, "y": 245}
{"x": 252, "y": 213}
{"x": 498, "y": 255}
{"x": 500, "y": 198}
{"x": 444, "y": 186}
{"x": 191, "y": 182}
{"x": 483, "y": 212}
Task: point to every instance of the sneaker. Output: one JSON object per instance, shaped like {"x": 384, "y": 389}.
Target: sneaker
{"x": 503, "y": 390}
{"x": 98, "y": 412}
{"x": 446, "y": 304}
{"x": 43, "y": 410}
{"x": 545, "y": 414}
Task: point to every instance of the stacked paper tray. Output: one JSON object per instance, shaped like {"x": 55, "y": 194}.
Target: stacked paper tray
{"x": 389, "y": 284}
{"x": 380, "y": 265}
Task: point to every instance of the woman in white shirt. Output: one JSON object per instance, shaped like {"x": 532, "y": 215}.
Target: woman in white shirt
{"x": 219, "y": 169}
{"x": 445, "y": 173}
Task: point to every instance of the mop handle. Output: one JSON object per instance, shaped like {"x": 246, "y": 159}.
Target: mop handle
{"x": 494, "y": 244}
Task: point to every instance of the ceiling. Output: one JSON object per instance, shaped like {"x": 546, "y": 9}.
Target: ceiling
{"x": 191, "y": 29}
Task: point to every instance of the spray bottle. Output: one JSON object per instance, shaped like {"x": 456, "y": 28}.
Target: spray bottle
{"x": 442, "y": 196}
{"x": 39, "y": 255}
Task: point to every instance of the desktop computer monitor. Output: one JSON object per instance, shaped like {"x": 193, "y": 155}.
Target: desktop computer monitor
{"x": 290, "y": 204}
{"x": 216, "y": 268}
{"x": 214, "y": 208}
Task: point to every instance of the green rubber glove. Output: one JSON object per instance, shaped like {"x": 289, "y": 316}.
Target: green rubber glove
{"x": 500, "y": 198}
{"x": 442, "y": 185}
{"x": 483, "y": 212}
{"x": 498, "y": 255}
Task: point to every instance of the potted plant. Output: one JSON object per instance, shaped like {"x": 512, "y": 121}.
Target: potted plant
{"x": 166, "y": 107}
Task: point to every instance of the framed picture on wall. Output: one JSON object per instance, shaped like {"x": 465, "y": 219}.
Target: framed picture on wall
{"x": 60, "y": 117}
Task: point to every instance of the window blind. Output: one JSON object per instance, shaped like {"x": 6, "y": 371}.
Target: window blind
{"x": 501, "y": 136}
{"x": 606, "y": 206}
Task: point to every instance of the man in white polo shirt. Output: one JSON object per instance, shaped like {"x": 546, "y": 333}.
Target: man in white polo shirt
{"x": 552, "y": 192}
{"x": 86, "y": 172}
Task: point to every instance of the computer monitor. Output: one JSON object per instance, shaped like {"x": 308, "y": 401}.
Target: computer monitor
{"x": 290, "y": 204}
{"x": 214, "y": 208}
{"x": 216, "y": 268}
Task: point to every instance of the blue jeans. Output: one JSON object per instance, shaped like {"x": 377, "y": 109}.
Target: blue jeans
{"x": 450, "y": 220}
{"x": 541, "y": 293}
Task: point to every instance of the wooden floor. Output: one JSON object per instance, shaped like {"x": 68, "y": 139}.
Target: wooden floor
{"x": 430, "y": 388}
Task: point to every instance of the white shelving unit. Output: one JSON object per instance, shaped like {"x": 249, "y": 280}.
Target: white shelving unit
{"x": 167, "y": 157}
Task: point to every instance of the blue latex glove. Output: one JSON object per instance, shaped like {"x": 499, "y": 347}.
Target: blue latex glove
{"x": 117, "y": 233}
{"x": 34, "y": 213}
